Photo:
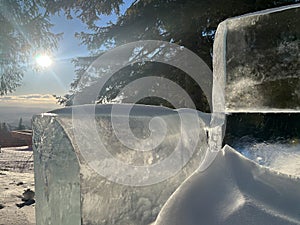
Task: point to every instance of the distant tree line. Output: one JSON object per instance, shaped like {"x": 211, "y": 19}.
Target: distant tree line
{"x": 6, "y": 127}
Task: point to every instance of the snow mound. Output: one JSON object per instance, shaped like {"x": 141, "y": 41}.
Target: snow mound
{"x": 234, "y": 190}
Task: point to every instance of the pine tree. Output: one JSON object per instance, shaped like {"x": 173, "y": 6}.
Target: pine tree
{"x": 21, "y": 126}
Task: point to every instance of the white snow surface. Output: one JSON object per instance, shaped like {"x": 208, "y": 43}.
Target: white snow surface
{"x": 234, "y": 190}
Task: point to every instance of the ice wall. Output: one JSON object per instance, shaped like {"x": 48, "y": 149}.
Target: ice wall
{"x": 70, "y": 191}
{"x": 257, "y": 59}
{"x": 56, "y": 173}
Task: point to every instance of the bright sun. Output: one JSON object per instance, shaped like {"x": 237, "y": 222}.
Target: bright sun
{"x": 43, "y": 60}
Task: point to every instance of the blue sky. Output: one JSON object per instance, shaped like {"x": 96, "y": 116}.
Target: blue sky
{"x": 38, "y": 87}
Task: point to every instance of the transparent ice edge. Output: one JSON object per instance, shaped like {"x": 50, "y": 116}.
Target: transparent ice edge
{"x": 267, "y": 11}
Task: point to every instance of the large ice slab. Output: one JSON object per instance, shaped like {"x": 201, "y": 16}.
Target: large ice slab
{"x": 70, "y": 191}
{"x": 257, "y": 59}
{"x": 234, "y": 190}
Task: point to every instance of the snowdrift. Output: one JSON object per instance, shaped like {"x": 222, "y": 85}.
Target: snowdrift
{"x": 234, "y": 190}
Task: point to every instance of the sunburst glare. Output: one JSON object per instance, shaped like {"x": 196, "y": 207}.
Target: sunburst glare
{"x": 43, "y": 60}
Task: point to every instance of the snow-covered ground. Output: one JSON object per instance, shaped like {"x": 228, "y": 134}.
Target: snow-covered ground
{"x": 233, "y": 191}
{"x": 17, "y": 159}
{"x": 16, "y": 176}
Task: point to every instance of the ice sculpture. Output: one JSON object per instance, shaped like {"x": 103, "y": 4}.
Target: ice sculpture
{"x": 69, "y": 191}
{"x": 257, "y": 56}
{"x": 231, "y": 190}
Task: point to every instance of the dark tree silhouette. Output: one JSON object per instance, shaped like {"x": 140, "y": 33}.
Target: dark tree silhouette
{"x": 20, "y": 125}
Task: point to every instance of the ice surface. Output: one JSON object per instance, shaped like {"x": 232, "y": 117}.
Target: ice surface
{"x": 69, "y": 190}
{"x": 234, "y": 190}
{"x": 282, "y": 156}
{"x": 56, "y": 174}
{"x": 270, "y": 139}
{"x": 257, "y": 56}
